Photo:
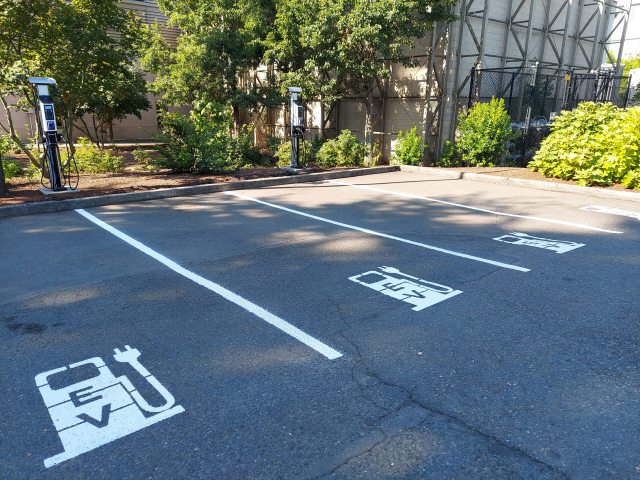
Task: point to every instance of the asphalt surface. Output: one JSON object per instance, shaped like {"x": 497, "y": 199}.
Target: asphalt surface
{"x": 532, "y": 371}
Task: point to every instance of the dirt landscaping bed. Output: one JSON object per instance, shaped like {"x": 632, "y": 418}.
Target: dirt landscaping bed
{"x": 23, "y": 190}
{"x": 135, "y": 178}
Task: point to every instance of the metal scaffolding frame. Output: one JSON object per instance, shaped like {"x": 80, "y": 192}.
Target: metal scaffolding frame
{"x": 573, "y": 35}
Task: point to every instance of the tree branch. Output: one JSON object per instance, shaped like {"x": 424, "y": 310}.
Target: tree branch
{"x": 14, "y": 135}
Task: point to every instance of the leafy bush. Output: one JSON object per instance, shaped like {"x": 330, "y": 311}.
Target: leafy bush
{"x": 195, "y": 143}
{"x": 11, "y": 169}
{"x": 595, "y": 144}
{"x": 272, "y": 144}
{"x": 142, "y": 157}
{"x": 90, "y": 159}
{"x": 409, "y": 149}
{"x": 345, "y": 150}
{"x": 484, "y": 134}
{"x": 307, "y": 153}
{"x": 243, "y": 149}
{"x": 201, "y": 143}
{"x": 450, "y": 156}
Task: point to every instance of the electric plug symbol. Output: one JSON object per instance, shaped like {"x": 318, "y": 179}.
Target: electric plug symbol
{"x": 130, "y": 356}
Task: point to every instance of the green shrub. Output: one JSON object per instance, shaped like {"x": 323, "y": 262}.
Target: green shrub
{"x": 198, "y": 142}
{"x": 90, "y": 159}
{"x": 595, "y": 144}
{"x": 484, "y": 134}
{"x": 272, "y": 144}
{"x": 343, "y": 151}
{"x": 201, "y": 143}
{"x": 450, "y": 156}
{"x": 243, "y": 150}
{"x": 12, "y": 169}
{"x": 142, "y": 157}
{"x": 307, "y": 153}
{"x": 409, "y": 149}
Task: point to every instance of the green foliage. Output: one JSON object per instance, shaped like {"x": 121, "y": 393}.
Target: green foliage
{"x": 220, "y": 40}
{"x": 335, "y": 49}
{"x": 72, "y": 41}
{"x": 630, "y": 63}
{"x": 142, "y": 157}
{"x": 595, "y": 144}
{"x": 307, "y": 153}
{"x": 200, "y": 142}
{"x": 409, "y": 149}
{"x": 11, "y": 169}
{"x": 484, "y": 134}
{"x": 8, "y": 169}
{"x": 241, "y": 147}
{"x": 272, "y": 144}
{"x": 450, "y": 156}
{"x": 344, "y": 151}
{"x": 90, "y": 159}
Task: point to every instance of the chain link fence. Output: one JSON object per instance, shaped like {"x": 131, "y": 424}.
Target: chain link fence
{"x": 533, "y": 96}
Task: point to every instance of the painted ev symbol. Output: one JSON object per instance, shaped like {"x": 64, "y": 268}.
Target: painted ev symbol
{"x": 413, "y": 290}
{"x": 101, "y": 409}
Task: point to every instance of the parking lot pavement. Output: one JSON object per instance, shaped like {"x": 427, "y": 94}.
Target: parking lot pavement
{"x": 390, "y": 326}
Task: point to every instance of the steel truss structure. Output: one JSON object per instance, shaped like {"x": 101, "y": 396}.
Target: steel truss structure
{"x": 562, "y": 35}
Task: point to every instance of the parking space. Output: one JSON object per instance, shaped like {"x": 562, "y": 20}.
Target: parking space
{"x": 389, "y": 326}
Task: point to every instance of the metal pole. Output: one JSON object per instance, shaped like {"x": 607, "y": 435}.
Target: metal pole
{"x": 624, "y": 35}
{"x": 576, "y": 35}
{"x": 472, "y": 79}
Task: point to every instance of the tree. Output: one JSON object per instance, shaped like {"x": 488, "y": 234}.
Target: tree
{"x": 220, "y": 40}
{"x": 96, "y": 48}
{"x": 22, "y": 23}
{"x": 630, "y": 63}
{"x": 88, "y": 46}
{"x": 344, "y": 48}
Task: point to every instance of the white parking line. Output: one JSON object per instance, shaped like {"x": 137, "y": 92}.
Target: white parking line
{"x": 383, "y": 235}
{"x": 612, "y": 211}
{"x": 483, "y": 210}
{"x": 258, "y": 311}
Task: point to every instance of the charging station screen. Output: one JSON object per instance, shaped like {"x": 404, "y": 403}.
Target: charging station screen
{"x": 48, "y": 112}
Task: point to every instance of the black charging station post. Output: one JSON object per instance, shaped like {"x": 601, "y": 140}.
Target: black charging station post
{"x": 296, "y": 115}
{"x": 49, "y": 136}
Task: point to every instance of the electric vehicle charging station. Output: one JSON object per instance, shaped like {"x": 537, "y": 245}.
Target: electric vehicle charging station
{"x": 59, "y": 174}
{"x": 296, "y": 111}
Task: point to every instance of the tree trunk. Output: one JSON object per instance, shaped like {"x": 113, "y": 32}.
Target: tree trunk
{"x": 322, "y": 120}
{"x": 368, "y": 124}
{"x": 3, "y": 184}
{"x": 67, "y": 126}
{"x": 236, "y": 120}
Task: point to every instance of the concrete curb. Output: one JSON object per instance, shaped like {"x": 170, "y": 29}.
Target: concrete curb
{"x": 90, "y": 202}
{"x": 520, "y": 182}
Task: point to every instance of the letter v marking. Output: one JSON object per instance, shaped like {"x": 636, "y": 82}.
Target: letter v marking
{"x": 104, "y": 418}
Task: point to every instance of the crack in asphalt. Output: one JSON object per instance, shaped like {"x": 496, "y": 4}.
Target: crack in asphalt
{"x": 411, "y": 399}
